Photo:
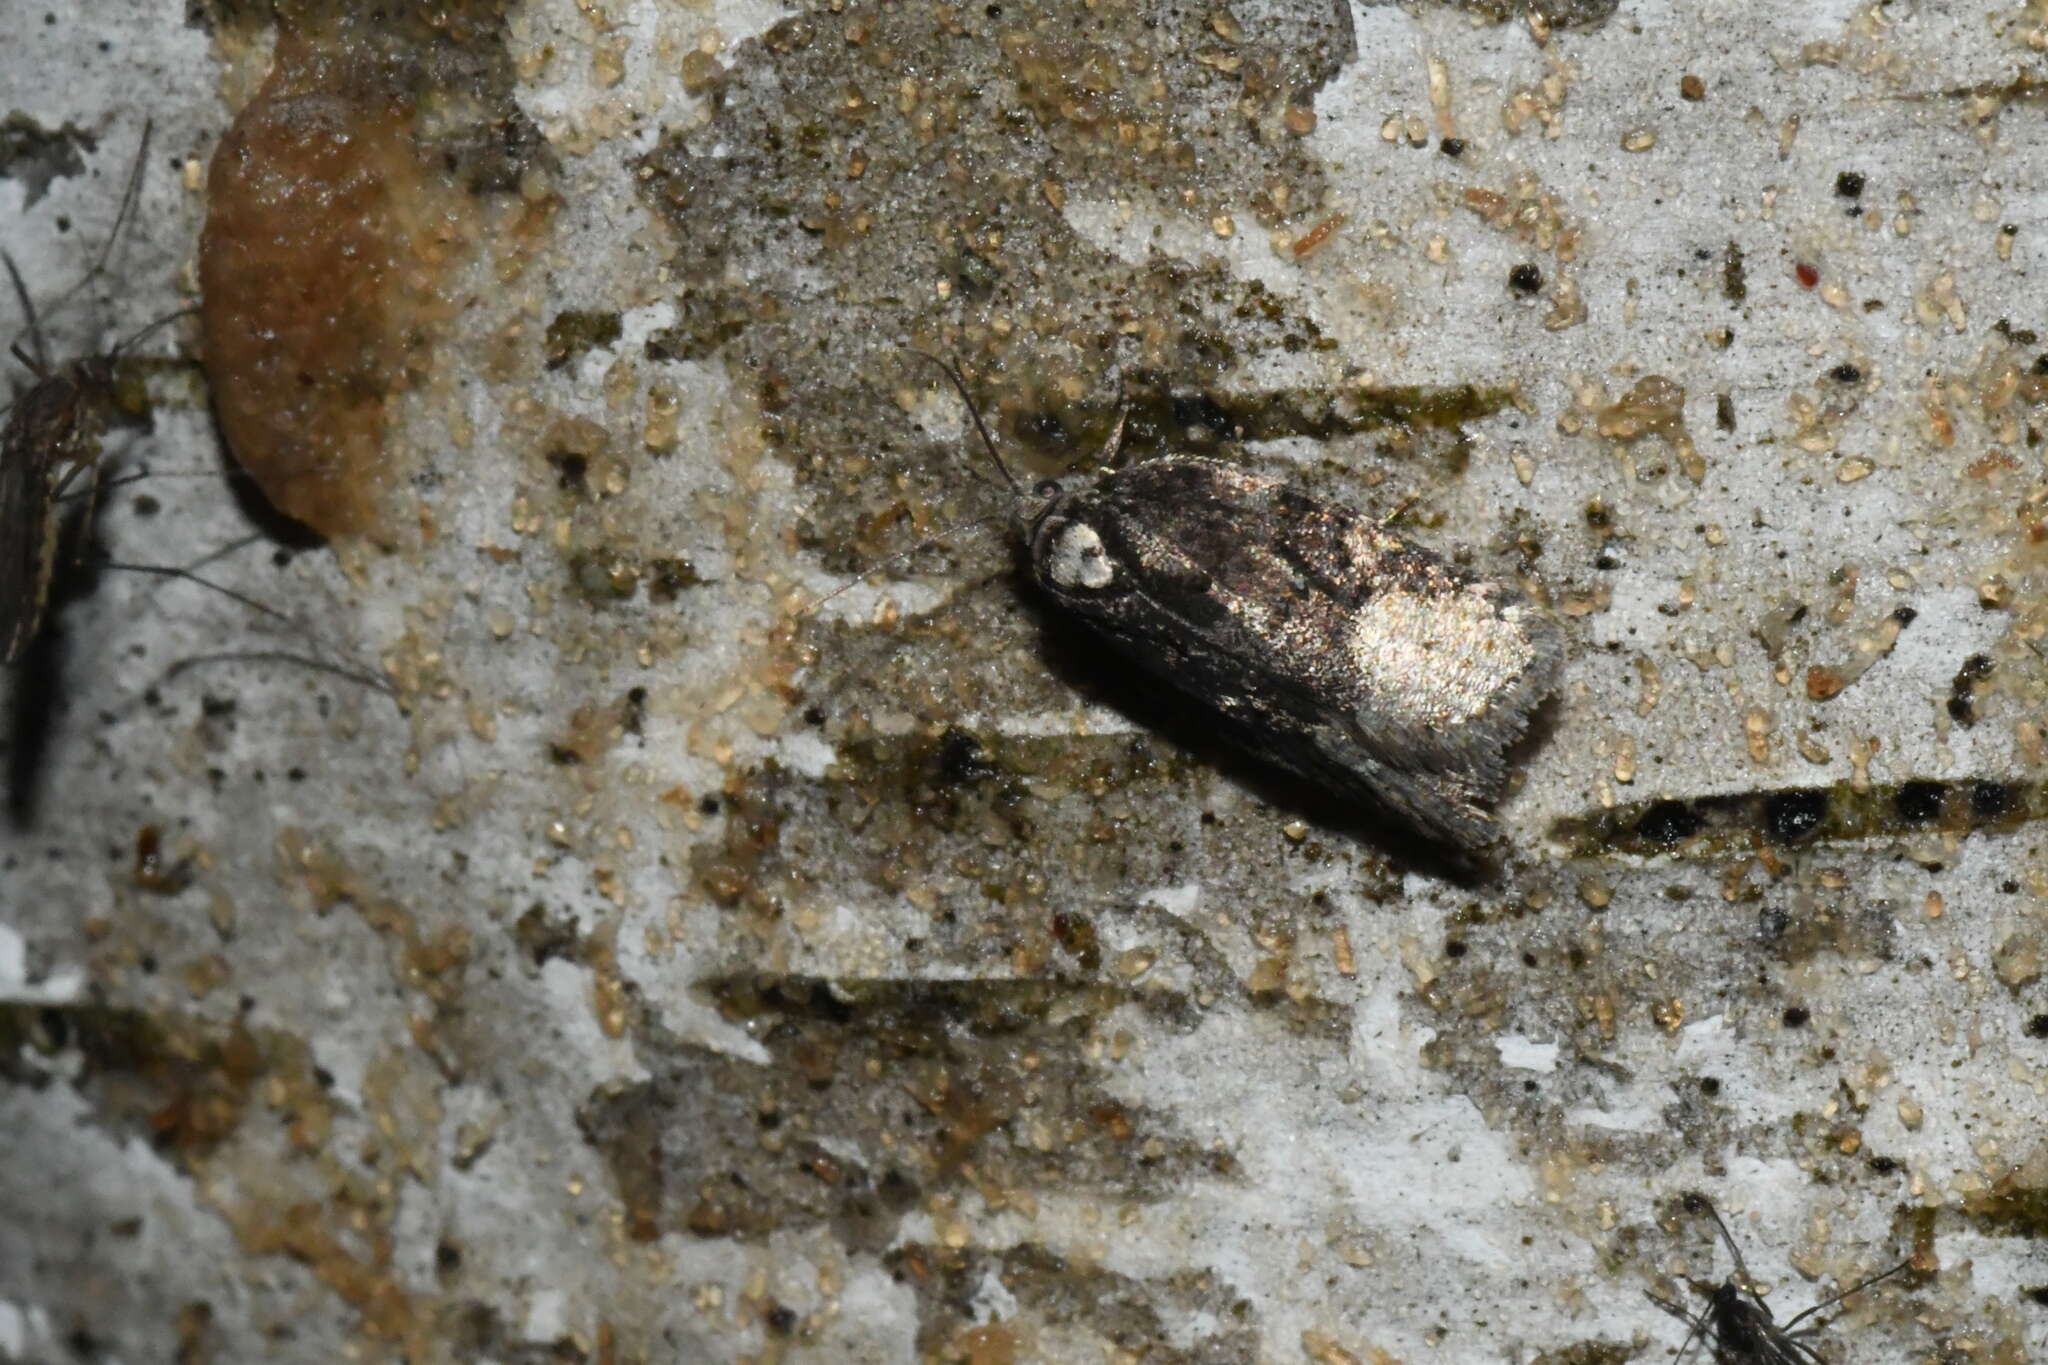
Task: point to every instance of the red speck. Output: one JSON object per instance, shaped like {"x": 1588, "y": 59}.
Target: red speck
{"x": 1808, "y": 275}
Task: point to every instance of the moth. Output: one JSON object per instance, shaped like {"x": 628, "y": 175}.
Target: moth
{"x": 1326, "y": 642}
{"x": 1737, "y": 1324}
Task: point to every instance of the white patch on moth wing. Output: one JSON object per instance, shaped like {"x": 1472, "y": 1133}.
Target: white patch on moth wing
{"x": 1078, "y": 559}
{"x": 1436, "y": 660}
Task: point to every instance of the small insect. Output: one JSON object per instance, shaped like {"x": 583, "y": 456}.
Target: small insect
{"x": 50, "y": 450}
{"x": 1737, "y": 1325}
{"x": 51, "y": 441}
{"x": 1330, "y": 645}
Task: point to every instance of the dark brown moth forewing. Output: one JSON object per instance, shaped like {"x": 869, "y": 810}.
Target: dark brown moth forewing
{"x": 1334, "y": 646}
{"x": 1737, "y": 1325}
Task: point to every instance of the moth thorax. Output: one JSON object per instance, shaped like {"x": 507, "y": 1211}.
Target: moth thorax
{"x": 1077, "y": 560}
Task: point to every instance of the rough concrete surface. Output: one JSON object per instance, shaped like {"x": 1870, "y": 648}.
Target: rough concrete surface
{"x": 669, "y": 968}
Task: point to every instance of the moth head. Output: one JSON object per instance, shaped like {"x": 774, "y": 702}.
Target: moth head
{"x": 1071, "y": 556}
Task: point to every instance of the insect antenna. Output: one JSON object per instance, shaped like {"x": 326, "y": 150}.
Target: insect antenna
{"x": 952, "y": 372}
{"x": 959, "y": 382}
{"x": 1739, "y": 1333}
{"x": 97, "y": 369}
{"x": 1696, "y": 1203}
{"x": 936, "y": 538}
{"x": 129, "y": 197}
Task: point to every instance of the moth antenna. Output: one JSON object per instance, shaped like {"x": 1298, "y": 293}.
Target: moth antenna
{"x": 898, "y": 558}
{"x": 1856, "y": 1288}
{"x": 952, "y": 372}
{"x": 39, "y": 364}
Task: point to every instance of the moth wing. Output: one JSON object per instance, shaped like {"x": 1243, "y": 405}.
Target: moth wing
{"x": 1274, "y": 608}
{"x": 1474, "y": 748}
{"x": 1379, "y": 583}
{"x": 1445, "y": 805}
